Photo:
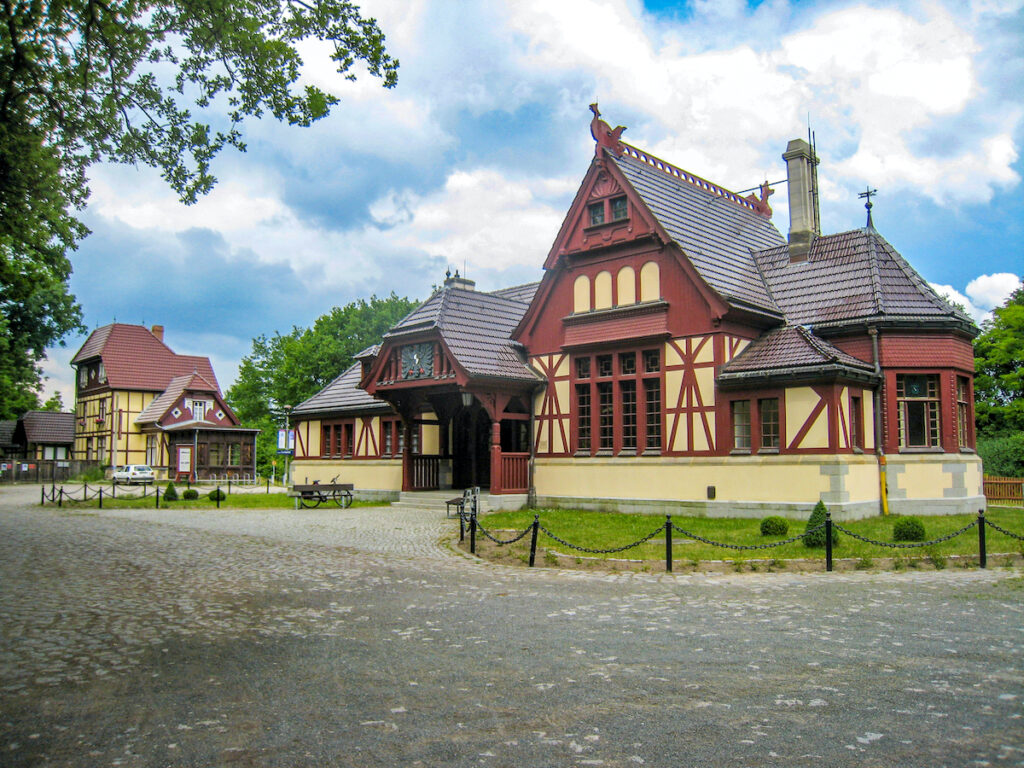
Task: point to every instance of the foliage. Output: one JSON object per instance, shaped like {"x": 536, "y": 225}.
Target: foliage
{"x": 999, "y": 370}
{"x": 285, "y": 370}
{"x": 85, "y": 81}
{"x": 54, "y": 403}
{"x": 170, "y": 493}
{"x": 190, "y": 494}
{"x": 908, "y": 529}
{"x": 1003, "y": 456}
{"x": 817, "y": 538}
{"x": 774, "y": 526}
{"x": 217, "y": 495}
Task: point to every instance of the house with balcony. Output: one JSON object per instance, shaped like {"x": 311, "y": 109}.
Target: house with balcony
{"x": 139, "y": 402}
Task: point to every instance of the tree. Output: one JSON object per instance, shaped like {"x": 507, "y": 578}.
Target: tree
{"x": 999, "y": 369}
{"x": 285, "y": 370}
{"x": 83, "y": 81}
{"x": 54, "y": 403}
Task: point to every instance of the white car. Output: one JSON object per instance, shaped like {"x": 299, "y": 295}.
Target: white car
{"x": 134, "y": 473}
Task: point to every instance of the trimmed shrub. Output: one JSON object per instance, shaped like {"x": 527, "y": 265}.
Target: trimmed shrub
{"x": 217, "y": 495}
{"x": 908, "y": 529}
{"x": 190, "y": 495}
{"x": 817, "y": 539}
{"x": 171, "y": 493}
{"x": 774, "y": 526}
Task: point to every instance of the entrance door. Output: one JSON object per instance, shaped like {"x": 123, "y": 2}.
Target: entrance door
{"x": 471, "y": 449}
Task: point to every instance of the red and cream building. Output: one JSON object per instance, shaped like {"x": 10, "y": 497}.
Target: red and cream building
{"x": 679, "y": 353}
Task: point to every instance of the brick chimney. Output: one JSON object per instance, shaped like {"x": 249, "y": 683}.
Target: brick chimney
{"x": 158, "y": 331}
{"x": 804, "y": 219}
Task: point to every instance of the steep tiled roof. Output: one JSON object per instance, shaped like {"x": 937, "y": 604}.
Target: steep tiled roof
{"x": 7, "y": 433}
{"x": 476, "y": 327}
{"x": 179, "y": 384}
{"x": 134, "y": 358}
{"x": 791, "y": 348}
{"x": 522, "y": 293}
{"x": 847, "y": 277}
{"x": 341, "y": 394}
{"x": 715, "y": 230}
{"x": 49, "y": 427}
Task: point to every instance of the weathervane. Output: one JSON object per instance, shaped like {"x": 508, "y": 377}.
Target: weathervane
{"x": 866, "y": 194}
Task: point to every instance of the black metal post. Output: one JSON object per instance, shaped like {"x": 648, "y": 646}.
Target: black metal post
{"x": 42, "y": 495}
{"x": 101, "y": 498}
{"x": 472, "y": 533}
{"x": 668, "y": 543}
{"x": 188, "y": 481}
{"x": 828, "y": 542}
{"x": 462, "y": 523}
{"x": 229, "y": 486}
{"x": 982, "y": 555}
{"x": 158, "y": 497}
{"x": 60, "y": 497}
{"x": 113, "y": 489}
{"x": 218, "y": 497}
{"x": 533, "y": 540}
{"x": 268, "y": 485}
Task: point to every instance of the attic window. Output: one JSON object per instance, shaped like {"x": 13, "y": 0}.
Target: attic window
{"x": 620, "y": 209}
{"x": 220, "y": 415}
{"x": 176, "y": 412}
{"x": 596, "y": 212}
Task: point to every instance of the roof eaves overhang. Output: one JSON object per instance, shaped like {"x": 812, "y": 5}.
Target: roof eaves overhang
{"x": 896, "y": 323}
{"x": 799, "y": 374}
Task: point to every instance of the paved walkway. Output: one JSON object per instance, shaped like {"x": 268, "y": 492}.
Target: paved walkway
{"x": 352, "y": 638}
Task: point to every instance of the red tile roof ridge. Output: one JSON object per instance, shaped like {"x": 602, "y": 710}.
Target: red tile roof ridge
{"x": 692, "y": 178}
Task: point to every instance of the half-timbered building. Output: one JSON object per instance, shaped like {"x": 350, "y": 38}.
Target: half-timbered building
{"x": 679, "y": 352}
{"x": 138, "y": 402}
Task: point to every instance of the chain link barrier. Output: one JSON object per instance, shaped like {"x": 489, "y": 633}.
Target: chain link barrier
{"x": 772, "y": 545}
{"x": 914, "y": 545}
{"x": 1012, "y": 535}
{"x": 636, "y": 543}
{"x": 501, "y": 542}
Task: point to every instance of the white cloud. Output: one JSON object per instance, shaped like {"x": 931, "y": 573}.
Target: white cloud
{"x": 983, "y": 294}
{"x": 991, "y": 291}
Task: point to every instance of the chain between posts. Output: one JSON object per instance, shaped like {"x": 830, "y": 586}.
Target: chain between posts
{"x": 636, "y": 543}
{"x": 992, "y": 525}
{"x": 747, "y": 546}
{"x": 500, "y": 542}
{"x": 914, "y": 545}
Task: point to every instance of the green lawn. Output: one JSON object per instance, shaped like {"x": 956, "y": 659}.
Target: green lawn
{"x": 606, "y": 530}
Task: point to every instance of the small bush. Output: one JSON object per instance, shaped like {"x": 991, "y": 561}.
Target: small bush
{"x": 817, "y": 539}
{"x": 217, "y": 495}
{"x": 190, "y": 494}
{"x": 938, "y": 560}
{"x": 774, "y": 526}
{"x": 908, "y": 529}
{"x": 171, "y": 493}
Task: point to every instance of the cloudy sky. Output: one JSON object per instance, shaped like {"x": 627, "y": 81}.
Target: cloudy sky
{"x": 473, "y": 159}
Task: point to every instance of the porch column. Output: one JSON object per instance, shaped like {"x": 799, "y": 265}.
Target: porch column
{"x": 496, "y": 484}
{"x": 407, "y": 425}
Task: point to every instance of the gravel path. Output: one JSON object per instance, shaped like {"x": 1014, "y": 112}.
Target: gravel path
{"x": 353, "y": 638}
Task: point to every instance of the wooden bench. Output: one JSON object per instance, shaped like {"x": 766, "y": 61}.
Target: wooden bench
{"x": 314, "y": 494}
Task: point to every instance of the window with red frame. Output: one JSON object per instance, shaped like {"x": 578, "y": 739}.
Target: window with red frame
{"x": 611, "y": 415}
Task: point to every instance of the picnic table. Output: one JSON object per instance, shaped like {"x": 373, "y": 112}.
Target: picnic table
{"x": 314, "y": 494}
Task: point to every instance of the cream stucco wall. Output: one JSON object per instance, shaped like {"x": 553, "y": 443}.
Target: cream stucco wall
{"x": 603, "y": 290}
{"x": 364, "y": 474}
{"x": 626, "y": 286}
{"x": 800, "y": 402}
{"x": 650, "y": 282}
{"x": 581, "y": 294}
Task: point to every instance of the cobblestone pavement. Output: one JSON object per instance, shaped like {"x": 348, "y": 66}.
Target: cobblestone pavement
{"x": 352, "y": 638}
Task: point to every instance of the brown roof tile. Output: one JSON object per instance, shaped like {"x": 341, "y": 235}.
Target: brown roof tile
{"x": 48, "y": 427}
{"x": 134, "y": 358}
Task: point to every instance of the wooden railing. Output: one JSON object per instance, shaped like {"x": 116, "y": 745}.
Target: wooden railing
{"x": 515, "y": 472}
{"x": 1004, "y": 489}
{"x": 425, "y": 471}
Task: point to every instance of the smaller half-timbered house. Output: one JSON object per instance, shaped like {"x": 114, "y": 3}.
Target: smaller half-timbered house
{"x": 138, "y": 402}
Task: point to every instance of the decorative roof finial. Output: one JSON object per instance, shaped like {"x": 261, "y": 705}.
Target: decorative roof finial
{"x": 866, "y": 194}
{"x": 604, "y": 135}
{"x": 448, "y": 274}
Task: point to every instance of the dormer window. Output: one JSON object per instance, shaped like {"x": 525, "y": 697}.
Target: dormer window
{"x": 103, "y": 374}
{"x": 596, "y": 212}
{"x": 620, "y": 209}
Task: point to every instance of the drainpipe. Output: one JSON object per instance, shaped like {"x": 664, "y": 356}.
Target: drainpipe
{"x": 883, "y": 485}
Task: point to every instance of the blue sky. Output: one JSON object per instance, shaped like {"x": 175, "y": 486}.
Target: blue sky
{"x": 473, "y": 160}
